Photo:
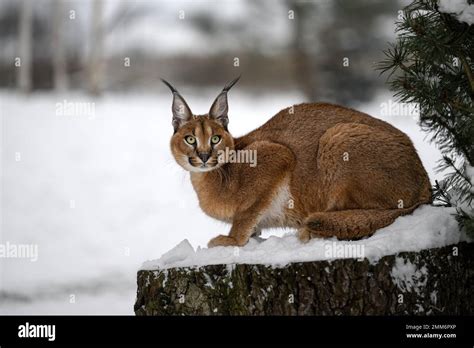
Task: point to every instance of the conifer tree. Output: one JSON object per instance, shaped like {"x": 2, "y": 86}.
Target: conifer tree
{"x": 432, "y": 64}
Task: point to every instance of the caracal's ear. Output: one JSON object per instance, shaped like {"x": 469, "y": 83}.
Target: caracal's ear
{"x": 220, "y": 107}
{"x": 181, "y": 111}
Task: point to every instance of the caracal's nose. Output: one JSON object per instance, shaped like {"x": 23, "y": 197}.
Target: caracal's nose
{"x": 204, "y": 156}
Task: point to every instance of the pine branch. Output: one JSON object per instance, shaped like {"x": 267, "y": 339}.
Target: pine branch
{"x": 468, "y": 71}
{"x": 421, "y": 68}
{"x": 440, "y": 193}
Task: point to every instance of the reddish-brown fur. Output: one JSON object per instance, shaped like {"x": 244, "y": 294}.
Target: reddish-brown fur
{"x": 324, "y": 169}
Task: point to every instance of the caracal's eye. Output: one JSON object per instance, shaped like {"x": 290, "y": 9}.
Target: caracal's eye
{"x": 190, "y": 139}
{"x": 215, "y": 139}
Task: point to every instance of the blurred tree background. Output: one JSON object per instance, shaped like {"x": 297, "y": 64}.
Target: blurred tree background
{"x": 324, "y": 49}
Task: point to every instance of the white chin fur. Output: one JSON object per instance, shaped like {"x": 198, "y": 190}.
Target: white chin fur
{"x": 191, "y": 168}
{"x": 185, "y": 164}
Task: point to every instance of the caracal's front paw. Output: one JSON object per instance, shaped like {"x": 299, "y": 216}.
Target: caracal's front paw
{"x": 222, "y": 241}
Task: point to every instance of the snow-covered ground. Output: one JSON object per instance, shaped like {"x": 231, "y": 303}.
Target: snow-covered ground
{"x": 97, "y": 191}
{"x": 428, "y": 227}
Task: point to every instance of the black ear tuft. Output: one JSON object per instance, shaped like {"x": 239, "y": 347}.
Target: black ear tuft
{"x": 220, "y": 107}
{"x": 169, "y": 86}
{"x": 231, "y": 84}
{"x": 180, "y": 109}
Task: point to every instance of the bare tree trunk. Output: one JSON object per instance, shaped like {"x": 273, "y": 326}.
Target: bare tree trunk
{"x": 96, "y": 63}
{"x": 25, "y": 46}
{"x": 440, "y": 282}
{"x": 59, "y": 52}
{"x": 303, "y": 68}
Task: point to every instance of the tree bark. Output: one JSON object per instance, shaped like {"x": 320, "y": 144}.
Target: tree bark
{"x": 25, "y": 31}
{"x": 303, "y": 62}
{"x": 96, "y": 61}
{"x": 59, "y": 49}
{"x": 445, "y": 279}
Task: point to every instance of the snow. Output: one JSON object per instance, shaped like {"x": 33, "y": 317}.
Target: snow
{"x": 434, "y": 297}
{"x": 99, "y": 194}
{"x": 470, "y": 176}
{"x": 428, "y": 227}
{"x": 461, "y": 8}
{"x": 175, "y": 254}
{"x": 408, "y": 277}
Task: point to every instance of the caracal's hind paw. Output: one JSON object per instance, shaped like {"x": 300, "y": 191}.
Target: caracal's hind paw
{"x": 304, "y": 235}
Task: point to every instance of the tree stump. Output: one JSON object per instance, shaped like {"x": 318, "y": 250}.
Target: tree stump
{"x": 430, "y": 282}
